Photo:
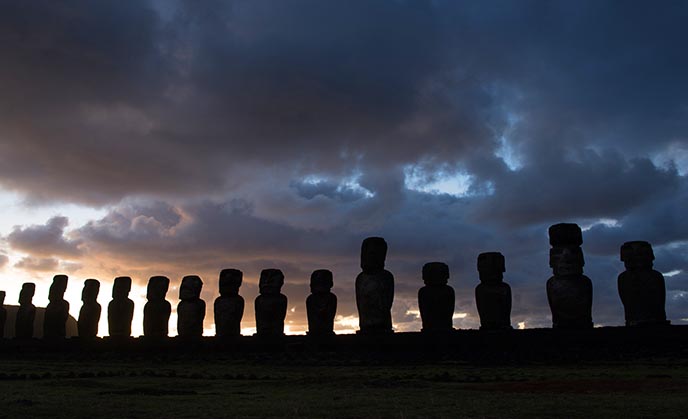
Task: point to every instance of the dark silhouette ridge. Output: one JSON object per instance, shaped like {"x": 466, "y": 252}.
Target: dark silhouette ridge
{"x": 26, "y": 314}
{"x": 569, "y": 292}
{"x": 374, "y": 289}
{"x": 57, "y": 311}
{"x": 436, "y": 299}
{"x": 191, "y": 309}
{"x": 321, "y": 305}
{"x": 3, "y": 314}
{"x": 270, "y": 305}
{"x": 121, "y": 308}
{"x": 493, "y": 295}
{"x": 156, "y": 312}
{"x": 229, "y": 306}
{"x": 89, "y": 315}
{"x": 641, "y": 288}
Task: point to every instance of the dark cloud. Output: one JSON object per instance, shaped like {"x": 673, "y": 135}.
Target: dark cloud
{"x": 38, "y": 264}
{"x": 3, "y": 260}
{"x": 45, "y": 240}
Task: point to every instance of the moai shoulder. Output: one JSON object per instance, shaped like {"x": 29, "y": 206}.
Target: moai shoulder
{"x": 156, "y": 312}
{"x": 89, "y": 315}
{"x": 641, "y": 288}
{"x": 436, "y": 299}
{"x": 26, "y": 314}
{"x": 374, "y": 288}
{"x": 321, "y": 305}
{"x": 229, "y": 306}
{"x": 3, "y": 314}
{"x": 270, "y": 305}
{"x": 493, "y": 295}
{"x": 191, "y": 309}
{"x": 121, "y": 308}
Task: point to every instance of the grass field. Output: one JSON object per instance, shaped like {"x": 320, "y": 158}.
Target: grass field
{"x": 214, "y": 387}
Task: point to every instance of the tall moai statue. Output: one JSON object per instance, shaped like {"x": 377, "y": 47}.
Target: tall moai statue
{"x": 321, "y": 305}
{"x": 57, "y": 311}
{"x": 3, "y": 314}
{"x": 436, "y": 299}
{"x": 641, "y": 288}
{"x": 493, "y": 295}
{"x": 191, "y": 309}
{"x": 374, "y": 289}
{"x": 229, "y": 306}
{"x": 271, "y": 304}
{"x": 569, "y": 292}
{"x": 89, "y": 315}
{"x": 156, "y": 312}
{"x": 26, "y": 314}
{"x": 121, "y": 308}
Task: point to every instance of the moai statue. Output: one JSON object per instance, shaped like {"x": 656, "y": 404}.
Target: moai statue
{"x": 89, "y": 315}
{"x": 229, "y": 306}
{"x": 23, "y": 326}
{"x": 121, "y": 308}
{"x": 156, "y": 312}
{"x": 374, "y": 289}
{"x": 641, "y": 288}
{"x": 493, "y": 295}
{"x": 569, "y": 292}
{"x": 436, "y": 298}
{"x": 321, "y": 305}
{"x": 191, "y": 309}
{"x": 3, "y": 314}
{"x": 270, "y": 305}
{"x": 57, "y": 311}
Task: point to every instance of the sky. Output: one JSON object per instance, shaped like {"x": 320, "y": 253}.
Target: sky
{"x": 183, "y": 137}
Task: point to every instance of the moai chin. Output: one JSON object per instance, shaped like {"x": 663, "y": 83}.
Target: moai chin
{"x": 270, "y": 305}
{"x": 569, "y": 292}
{"x": 156, "y": 312}
{"x": 641, "y": 288}
{"x": 321, "y": 305}
{"x": 89, "y": 315}
{"x": 229, "y": 306}
{"x": 191, "y": 309}
{"x": 436, "y": 299}
{"x": 3, "y": 314}
{"x": 493, "y": 295}
{"x": 26, "y": 314}
{"x": 121, "y": 308}
{"x": 57, "y": 311}
{"x": 374, "y": 289}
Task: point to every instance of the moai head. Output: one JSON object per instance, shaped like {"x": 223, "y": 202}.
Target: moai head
{"x": 321, "y": 281}
{"x": 2, "y": 298}
{"x": 637, "y": 255}
{"x": 190, "y": 288}
{"x": 566, "y": 256}
{"x": 121, "y": 288}
{"x": 230, "y": 281}
{"x": 491, "y": 267}
{"x": 58, "y": 288}
{"x": 271, "y": 281}
{"x": 26, "y": 294}
{"x": 435, "y": 273}
{"x": 90, "y": 291}
{"x": 373, "y": 254}
{"x": 157, "y": 288}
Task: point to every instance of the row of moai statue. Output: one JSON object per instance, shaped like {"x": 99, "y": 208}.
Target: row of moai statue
{"x": 569, "y": 293}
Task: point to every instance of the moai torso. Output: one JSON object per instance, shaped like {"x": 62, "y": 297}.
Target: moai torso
{"x": 569, "y": 292}
{"x": 641, "y": 288}
{"x": 191, "y": 309}
{"x": 57, "y": 311}
{"x": 156, "y": 312}
{"x": 436, "y": 299}
{"x": 271, "y": 305}
{"x": 374, "y": 288}
{"x": 89, "y": 315}
{"x": 26, "y": 314}
{"x": 3, "y": 314}
{"x": 229, "y": 306}
{"x": 321, "y": 305}
{"x": 493, "y": 295}
{"x": 121, "y": 308}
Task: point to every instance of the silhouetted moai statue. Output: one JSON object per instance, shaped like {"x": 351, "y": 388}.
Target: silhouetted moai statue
{"x": 121, "y": 308}
{"x": 3, "y": 314}
{"x": 23, "y": 326}
{"x": 569, "y": 292}
{"x": 191, "y": 309}
{"x": 156, "y": 312}
{"x": 493, "y": 295}
{"x": 374, "y": 288}
{"x": 270, "y": 305}
{"x": 57, "y": 311}
{"x": 321, "y": 305}
{"x": 89, "y": 315}
{"x": 436, "y": 298}
{"x": 229, "y": 306}
{"x": 641, "y": 288}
